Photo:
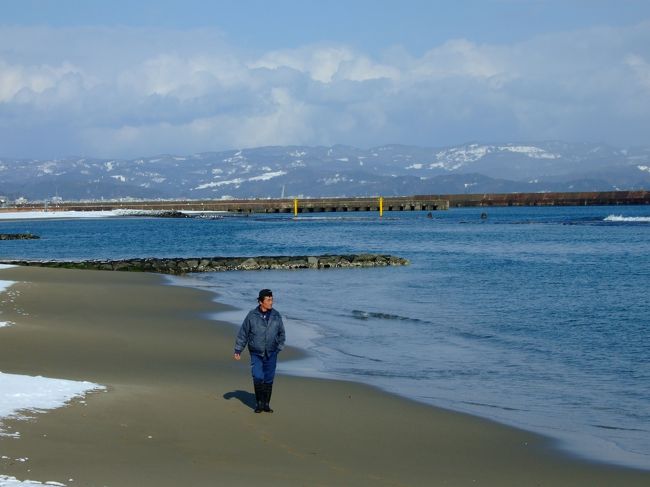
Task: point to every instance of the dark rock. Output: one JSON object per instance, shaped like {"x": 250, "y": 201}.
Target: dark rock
{"x": 217, "y": 264}
{"x": 18, "y": 236}
{"x": 171, "y": 214}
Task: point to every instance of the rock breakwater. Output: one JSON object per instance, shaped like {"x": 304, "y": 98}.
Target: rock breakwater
{"x": 18, "y": 236}
{"x": 217, "y": 264}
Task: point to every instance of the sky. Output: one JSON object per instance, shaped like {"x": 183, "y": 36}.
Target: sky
{"x": 129, "y": 79}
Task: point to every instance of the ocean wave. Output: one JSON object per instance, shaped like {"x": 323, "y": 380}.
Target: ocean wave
{"x": 621, "y": 218}
{"x": 365, "y": 315}
{"x": 493, "y": 406}
{"x": 616, "y": 428}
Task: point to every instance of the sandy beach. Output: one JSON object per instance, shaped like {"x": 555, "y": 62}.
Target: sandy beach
{"x": 177, "y": 408}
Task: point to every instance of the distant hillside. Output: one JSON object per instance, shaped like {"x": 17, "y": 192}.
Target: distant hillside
{"x": 272, "y": 172}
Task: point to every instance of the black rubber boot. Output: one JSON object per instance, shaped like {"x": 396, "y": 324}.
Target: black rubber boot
{"x": 259, "y": 396}
{"x": 268, "y": 389}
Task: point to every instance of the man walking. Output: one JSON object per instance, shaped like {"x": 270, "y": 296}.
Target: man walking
{"x": 263, "y": 332}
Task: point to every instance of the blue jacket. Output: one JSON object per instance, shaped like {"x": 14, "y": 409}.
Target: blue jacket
{"x": 262, "y": 337}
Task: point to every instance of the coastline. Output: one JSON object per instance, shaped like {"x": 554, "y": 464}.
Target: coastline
{"x": 177, "y": 408}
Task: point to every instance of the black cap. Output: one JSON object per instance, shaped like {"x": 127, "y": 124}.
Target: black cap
{"x": 264, "y": 293}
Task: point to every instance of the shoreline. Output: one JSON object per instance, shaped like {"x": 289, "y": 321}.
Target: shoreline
{"x": 573, "y": 443}
{"x": 178, "y": 408}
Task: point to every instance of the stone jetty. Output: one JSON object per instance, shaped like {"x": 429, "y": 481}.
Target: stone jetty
{"x": 216, "y": 264}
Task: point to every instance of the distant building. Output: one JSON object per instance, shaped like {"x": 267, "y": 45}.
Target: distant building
{"x": 56, "y": 200}
{"x": 3, "y": 201}
{"x": 21, "y": 201}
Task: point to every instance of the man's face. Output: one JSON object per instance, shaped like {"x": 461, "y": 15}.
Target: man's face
{"x": 266, "y": 303}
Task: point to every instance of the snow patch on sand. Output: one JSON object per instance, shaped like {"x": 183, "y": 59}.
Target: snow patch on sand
{"x": 5, "y": 284}
{"x": 8, "y": 481}
{"x": 3, "y": 287}
{"x": 22, "y": 396}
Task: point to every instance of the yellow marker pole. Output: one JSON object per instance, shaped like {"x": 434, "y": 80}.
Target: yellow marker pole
{"x": 295, "y": 207}
{"x": 381, "y": 206}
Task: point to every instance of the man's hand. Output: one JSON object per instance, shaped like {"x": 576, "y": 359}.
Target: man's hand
{"x": 237, "y": 356}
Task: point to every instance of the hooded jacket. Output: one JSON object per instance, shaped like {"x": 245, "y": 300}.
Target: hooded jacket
{"x": 262, "y": 337}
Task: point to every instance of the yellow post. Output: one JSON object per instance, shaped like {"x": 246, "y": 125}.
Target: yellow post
{"x": 381, "y": 206}
{"x": 295, "y": 207}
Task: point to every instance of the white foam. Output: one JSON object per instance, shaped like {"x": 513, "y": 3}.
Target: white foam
{"x": 6, "y": 266}
{"x": 621, "y": 218}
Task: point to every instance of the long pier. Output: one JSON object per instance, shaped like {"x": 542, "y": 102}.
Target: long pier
{"x": 593, "y": 198}
{"x": 299, "y": 205}
{"x": 316, "y": 205}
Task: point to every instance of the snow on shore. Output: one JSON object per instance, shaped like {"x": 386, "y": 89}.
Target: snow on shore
{"x": 33, "y": 215}
{"x": 6, "y": 481}
{"x": 23, "y": 395}
{"x": 20, "y": 395}
{"x": 4, "y": 285}
{"x": 37, "y": 215}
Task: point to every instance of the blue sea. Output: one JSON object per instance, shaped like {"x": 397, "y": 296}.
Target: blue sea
{"x": 534, "y": 317}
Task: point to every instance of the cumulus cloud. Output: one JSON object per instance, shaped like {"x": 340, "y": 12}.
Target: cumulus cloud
{"x": 20, "y": 82}
{"x": 640, "y": 68}
{"x": 327, "y": 64}
{"x": 127, "y": 92}
{"x": 183, "y": 77}
{"x": 461, "y": 58}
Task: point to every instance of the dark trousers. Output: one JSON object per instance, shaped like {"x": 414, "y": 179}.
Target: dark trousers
{"x": 263, "y": 367}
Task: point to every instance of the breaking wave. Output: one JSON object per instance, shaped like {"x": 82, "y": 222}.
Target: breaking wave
{"x": 621, "y": 218}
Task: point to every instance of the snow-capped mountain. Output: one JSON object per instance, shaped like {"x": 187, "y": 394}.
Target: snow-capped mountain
{"x": 334, "y": 171}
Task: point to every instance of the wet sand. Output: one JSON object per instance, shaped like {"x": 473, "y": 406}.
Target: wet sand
{"x": 178, "y": 409}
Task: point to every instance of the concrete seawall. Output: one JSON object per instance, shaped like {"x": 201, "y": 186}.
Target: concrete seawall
{"x": 307, "y": 205}
{"x": 317, "y": 205}
{"x": 604, "y": 198}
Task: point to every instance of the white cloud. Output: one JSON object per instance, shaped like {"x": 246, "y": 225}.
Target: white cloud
{"x": 34, "y": 79}
{"x": 640, "y": 67}
{"x": 327, "y": 64}
{"x": 183, "y": 77}
{"x": 126, "y": 92}
{"x": 460, "y": 58}
{"x": 320, "y": 63}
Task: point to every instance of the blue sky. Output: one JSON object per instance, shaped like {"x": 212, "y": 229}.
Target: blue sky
{"x": 118, "y": 79}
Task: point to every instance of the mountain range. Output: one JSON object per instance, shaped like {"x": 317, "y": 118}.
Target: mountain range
{"x": 302, "y": 171}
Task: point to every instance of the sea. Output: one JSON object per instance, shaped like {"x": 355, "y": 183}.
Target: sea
{"x": 534, "y": 317}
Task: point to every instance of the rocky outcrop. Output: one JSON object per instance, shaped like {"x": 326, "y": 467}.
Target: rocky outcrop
{"x": 215, "y": 264}
{"x": 18, "y": 236}
{"x": 170, "y": 214}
